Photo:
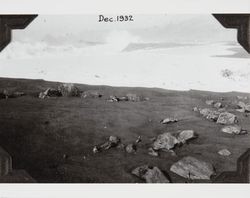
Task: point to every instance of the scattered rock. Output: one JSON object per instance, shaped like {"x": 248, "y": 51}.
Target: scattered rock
{"x": 152, "y": 152}
{"x": 233, "y": 129}
{"x": 242, "y": 97}
{"x": 192, "y": 168}
{"x": 224, "y": 152}
{"x": 91, "y": 94}
{"x": 227, "y": 118}
{"x": 131, "y": 148}
{"x": 218, "y": 105}
{"x": 113, "y": 99}
{"x": 186, "y": 135}
{"x": 150, "y": 174}
{"x": 168, "y": 120}
{"x": 69, "y": 89}
{"x": 165, "y": 141}
{"x": 209, "y": 102}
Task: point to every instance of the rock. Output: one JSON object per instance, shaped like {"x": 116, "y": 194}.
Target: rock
{"x": 91, "y": 94}
{"x": 123, "y": 98}
{"x": 242, "y": 97}
{"x": 95, "y": 149}
{"x": 133, "y": 97}
{"x": 209, "y": 102}
{"x": 150, "y": 174}
{"x": 113, "y": 99}
{"x": 213, "y": 115}
{"x": 131, "y": 148}
{"x": 69, "y": 89}
{"x": 241, "y": 110}
{"x": 195, "y": 109}
{"x": 114, "y": 140}
{"x": 192, "y": 168}
{"x": 243, "y": 106}
{"x": 218, "y": 105}
{"x": 233, "y": 129}
{"x": 165, "y": 141}
{"x": 50, "y": 92}
{"x": 120, "y": 146}
{"x": 168, "y": 120}
{"x": 152, "y": 152}
{"x": 210, "y": 114}
{"x": 205, "y": 112}
{"x": 224, "y": 152}
{"x": 186, "y": 135}
{"x": 138, "y": 140}
{"x": 227, "y": 118}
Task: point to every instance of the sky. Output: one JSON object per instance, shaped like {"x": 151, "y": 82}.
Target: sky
{"x": 178, "y": 52}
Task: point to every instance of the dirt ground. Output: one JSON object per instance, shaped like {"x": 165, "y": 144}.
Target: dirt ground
{"x": 37, "y": 133}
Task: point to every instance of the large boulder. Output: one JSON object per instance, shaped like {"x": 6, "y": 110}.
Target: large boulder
{"x": 165, "y": 141}
{"x": 91, "y": 94}
{"x": 69, "y": 89}
{"x": 150, "y": 174}
{"x": 227, "y": 118}
{"x": 192, "y": 168}
{"x": 186, "y": 135}
{"x": 233, "y": 129}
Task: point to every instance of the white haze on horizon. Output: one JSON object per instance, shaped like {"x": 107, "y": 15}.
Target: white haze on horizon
{"x": 179, "y": 52}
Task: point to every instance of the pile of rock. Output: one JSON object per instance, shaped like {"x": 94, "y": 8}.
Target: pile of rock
{"x": 129, "y": 97}
{"x": 217, "y": 116}
{"x": 167, "y": 141}
{"x": 69, "y": 89}
{"x": 50, "y": 92}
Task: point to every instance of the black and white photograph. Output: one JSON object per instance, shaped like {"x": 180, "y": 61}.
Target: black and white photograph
{"x": 136, "y": 98}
